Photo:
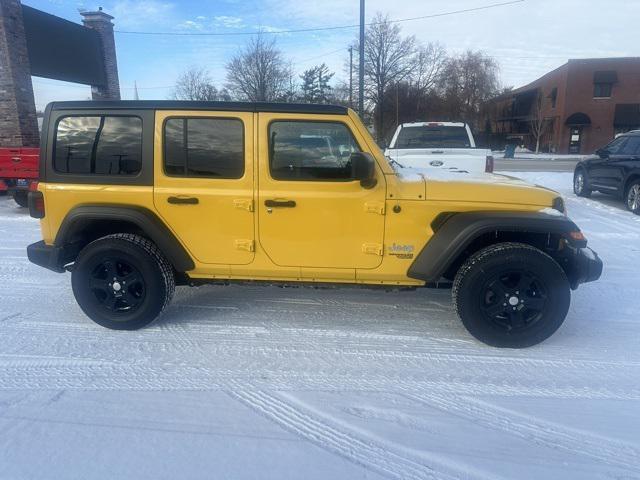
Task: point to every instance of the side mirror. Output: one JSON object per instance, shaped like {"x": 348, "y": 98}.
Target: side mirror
{"x": 363, "y": 168}
{"x": 602, "y": 153}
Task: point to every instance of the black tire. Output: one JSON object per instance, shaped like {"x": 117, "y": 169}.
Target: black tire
{"x": 113, "y": 261}
{"x": 511, "y": 295}
{"x": 581, "y": 183}
{"x": 632, "y": 196}
{"x": 21, "y": 198}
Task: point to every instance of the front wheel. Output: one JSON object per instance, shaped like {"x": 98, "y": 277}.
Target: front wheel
{"x": 511, "y": 295}
{"x": 122, "y": 281}
{"x": 580, "y": 184}
{"x": 632, "y": 197}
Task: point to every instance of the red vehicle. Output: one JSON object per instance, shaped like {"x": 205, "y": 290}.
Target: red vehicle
{"x": 19, "y": 172}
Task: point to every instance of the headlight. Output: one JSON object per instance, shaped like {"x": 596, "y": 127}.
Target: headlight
{"x": 558, "y": 204}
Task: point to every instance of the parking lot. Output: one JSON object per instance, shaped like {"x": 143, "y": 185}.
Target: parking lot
{"x": 267, "y": 382}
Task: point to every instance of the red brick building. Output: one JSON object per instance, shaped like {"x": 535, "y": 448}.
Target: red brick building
{"x": 582, "y": 105}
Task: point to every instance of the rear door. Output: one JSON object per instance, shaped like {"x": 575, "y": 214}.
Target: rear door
{"x": 311, "y": 212}
{"x": 204, "y": 182}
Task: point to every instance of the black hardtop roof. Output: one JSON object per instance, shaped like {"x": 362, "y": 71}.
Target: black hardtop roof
{"x": 192, "y": 105}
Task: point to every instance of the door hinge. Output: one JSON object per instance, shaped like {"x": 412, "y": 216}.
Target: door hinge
{"x": 247, "y": 245}
{"x": 245, "y": 204}
{"x": 374, "y": 207}
{"x": 372, "y": 248}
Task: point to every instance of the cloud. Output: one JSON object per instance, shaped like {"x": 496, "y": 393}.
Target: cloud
{"x": 228, "y": 21}
{"x": 189, "y": 25}
{"x": 129, "y": 13}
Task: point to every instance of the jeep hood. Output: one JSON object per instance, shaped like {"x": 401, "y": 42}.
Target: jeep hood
{"x": 486, "y": 188}
{"x": 465, "y": 187}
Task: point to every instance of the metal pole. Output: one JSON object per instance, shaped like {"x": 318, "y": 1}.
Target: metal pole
{"x": 361, "y": 59}
{"x": 350, "y": 77}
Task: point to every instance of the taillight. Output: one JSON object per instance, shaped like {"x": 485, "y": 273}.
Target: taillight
{"x": 36, "y": 204}
{"x": 33, "y": 186}
{"x": 488, "y": 166}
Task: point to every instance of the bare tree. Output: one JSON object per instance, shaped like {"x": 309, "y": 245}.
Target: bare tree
{"x": 388, "y": 59}
{"x": 467, "y": 83}
{"x": 429, "y": 63}
{"x": 258, "y": 73}
{"x": 195, "y": 84}
{"x": 538, "y": 124}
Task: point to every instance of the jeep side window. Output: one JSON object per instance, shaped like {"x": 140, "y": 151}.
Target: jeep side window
{"x": 101, "y": 145}
{"x": 204, "y": 147}
{"x": 310, "y": 150}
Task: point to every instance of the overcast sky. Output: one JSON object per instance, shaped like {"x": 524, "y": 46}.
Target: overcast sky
{"x": 527, "y": 38}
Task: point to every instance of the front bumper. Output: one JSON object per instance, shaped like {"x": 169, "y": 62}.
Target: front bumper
{"x": 47, "y": 256}
{"x": 586, "y": 267}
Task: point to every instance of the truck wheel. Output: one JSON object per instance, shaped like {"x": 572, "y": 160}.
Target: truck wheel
{"x": 21, "y": 198}
{"x": 633, "y": 197}
{"x": 511, "y": 295}
{"x": 581, "y": 184}
{"x": 122, "y": 281}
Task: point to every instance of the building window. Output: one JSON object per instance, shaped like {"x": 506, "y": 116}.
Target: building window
{"x": 310, "y": 151}
{"x": 553, "y": 96}
{"x": 204, "y": 147}
{"x": 602, "y": 90}
{"x": 603, "y": 83}
{"x": 99, "y": 145}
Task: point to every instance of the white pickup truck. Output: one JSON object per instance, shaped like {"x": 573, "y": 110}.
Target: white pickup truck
{"x": 438, "y": 145}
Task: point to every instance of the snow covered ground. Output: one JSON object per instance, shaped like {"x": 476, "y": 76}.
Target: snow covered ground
{"x": 264, "y": 382}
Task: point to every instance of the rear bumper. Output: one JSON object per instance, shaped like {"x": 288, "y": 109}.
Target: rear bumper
{"x": 587, "y": 267}
{"x": 46, "y": 256}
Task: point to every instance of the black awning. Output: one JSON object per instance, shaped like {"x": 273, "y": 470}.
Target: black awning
{"x": 627, "y": 115}
{"x": 578, "y": 119}
{"x": 605, "y": 76}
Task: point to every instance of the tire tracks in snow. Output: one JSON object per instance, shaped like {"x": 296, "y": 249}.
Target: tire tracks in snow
{"x": 541, "y": 432}
{"x": 353, "y": 447}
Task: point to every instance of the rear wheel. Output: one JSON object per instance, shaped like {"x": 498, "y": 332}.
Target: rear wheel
{"x": 632, "y": 197}
{"x": 511, "y": 295}
{"x": 122, "y": 281}
{"x": 580, "y": 183}
{"x": 21, "y": 198}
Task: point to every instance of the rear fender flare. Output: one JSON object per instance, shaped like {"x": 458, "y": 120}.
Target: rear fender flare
{"x": 144, "y": 219}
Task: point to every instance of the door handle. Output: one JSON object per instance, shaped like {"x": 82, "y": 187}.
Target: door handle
{"x": 183, "y": 200}
{"x": 280, "y": 203}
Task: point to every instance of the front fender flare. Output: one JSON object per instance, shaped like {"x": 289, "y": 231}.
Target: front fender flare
{"x": 454, "y": 232}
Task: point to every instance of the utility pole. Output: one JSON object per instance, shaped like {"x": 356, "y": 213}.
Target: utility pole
{"x": 361, "y": 59}
{"x": 350, "y": 77}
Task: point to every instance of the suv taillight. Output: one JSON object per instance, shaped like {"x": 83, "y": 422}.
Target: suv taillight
{"x": 488, "y": 166}
{"x": 36, "y": 204}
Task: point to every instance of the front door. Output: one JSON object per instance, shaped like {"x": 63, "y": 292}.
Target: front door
{"x": 311, "y": 212}
{"x": 204, "y": 183}
{"x": 606, "y": 172}
{"x": 575, "y": 139}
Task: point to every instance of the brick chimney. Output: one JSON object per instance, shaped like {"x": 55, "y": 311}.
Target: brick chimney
{"x": 101, "y": 23}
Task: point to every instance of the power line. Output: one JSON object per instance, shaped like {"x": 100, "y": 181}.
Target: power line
{"x": 319, "y": 29}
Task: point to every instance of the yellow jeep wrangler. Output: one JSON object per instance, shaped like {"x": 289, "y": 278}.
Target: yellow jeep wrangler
{"x": 135, "y": 197}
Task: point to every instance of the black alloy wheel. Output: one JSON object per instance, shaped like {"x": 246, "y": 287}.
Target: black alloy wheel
{"x": 117, "y": 285}
{"x": 511, "y": 295}
{"x": 514, "y": 300}
{"x": 122, "y": 281}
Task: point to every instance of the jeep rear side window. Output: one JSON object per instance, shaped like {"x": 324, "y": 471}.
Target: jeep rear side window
{"x": 310, "y": 150}
{"x": 100, "y": 145}
{"x": 204, "y": 147}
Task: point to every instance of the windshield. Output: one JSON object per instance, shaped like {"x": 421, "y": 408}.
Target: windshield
{"x": 432, "y": 136}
